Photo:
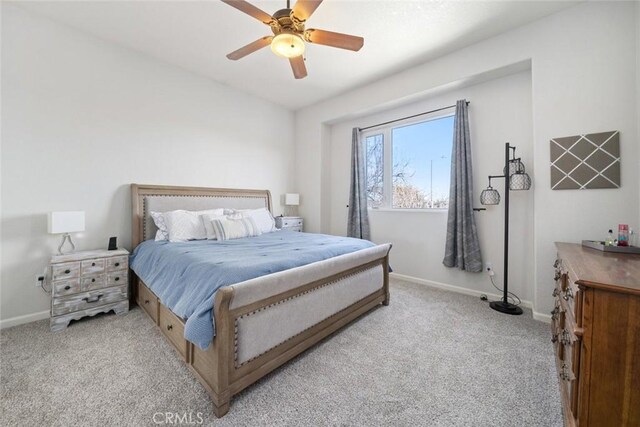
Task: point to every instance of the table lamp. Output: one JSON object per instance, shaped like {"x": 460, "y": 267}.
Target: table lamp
{"x": 291, "y": 199}
{"x": 65, "y": 223}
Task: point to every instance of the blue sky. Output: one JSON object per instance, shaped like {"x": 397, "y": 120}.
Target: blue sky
{"x": 419, "y": 144}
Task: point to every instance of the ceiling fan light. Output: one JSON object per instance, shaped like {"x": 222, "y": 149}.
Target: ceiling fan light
{"x": 287, "y": 45}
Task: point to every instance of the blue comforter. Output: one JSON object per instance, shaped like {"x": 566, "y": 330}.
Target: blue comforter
{"x": 186, "y": 276}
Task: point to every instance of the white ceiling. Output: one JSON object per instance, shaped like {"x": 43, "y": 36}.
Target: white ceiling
{"x": 196, "y": 35}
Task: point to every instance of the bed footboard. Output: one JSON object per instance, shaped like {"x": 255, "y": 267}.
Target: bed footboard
{"x": 264, "y": 322}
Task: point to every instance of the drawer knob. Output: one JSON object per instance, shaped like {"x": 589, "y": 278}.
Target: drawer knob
{"x": 93, "y": 280}
{"x": 90, "y": 300}
{"x": 66, "y": 288}
{"x": 117, "y": 264}
{"x": 169, "y": 327}
{"x": 93, "y": 264}
{"x": 117, "y": 279}
{"x": 67, "y": 271}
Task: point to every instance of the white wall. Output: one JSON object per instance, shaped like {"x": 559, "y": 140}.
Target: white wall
{"x": 83, "y": 118}
{"x": 583, "y": 72}
{"x": 504, "y": 100}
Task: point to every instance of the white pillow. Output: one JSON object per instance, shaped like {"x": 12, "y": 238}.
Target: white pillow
{"x": 227, "y": 228}
{"x": 158, "y": 219}
{"x": 263, "y": 218}
{"x": 186, "y": 225}
{"x": 208, "y": 227}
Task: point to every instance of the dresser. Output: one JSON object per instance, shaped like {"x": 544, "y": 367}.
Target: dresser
{"x": 596, "y": 336}
{"x": 87, "y": 283}
{"x": 293, "y": 223}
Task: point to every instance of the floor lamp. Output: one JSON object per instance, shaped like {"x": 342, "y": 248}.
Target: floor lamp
{"x": 515, "y": 179}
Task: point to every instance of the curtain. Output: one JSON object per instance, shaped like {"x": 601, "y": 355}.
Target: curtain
{"x": 358, "y": 221}
{"x": 462, "y": 248}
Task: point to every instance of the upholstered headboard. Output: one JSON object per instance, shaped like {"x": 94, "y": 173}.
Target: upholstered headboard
{"x": 161, "y": 198}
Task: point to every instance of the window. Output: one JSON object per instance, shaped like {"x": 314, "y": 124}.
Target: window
{"x": 413, "y": 171}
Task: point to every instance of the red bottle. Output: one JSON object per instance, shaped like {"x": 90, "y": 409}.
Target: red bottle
{"x": 623, "y": 235}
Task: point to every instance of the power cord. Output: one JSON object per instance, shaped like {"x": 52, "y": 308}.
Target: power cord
{"x": 509, "y": 293}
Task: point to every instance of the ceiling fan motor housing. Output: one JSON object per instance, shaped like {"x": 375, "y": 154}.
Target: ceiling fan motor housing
{"x": 285, "y": 21}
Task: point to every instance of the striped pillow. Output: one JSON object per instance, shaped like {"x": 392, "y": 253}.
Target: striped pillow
{"x": 234, "y": 228}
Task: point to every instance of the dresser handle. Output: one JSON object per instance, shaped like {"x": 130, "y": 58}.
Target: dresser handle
{"x": 93, "y": 280}
{"x": 567, "y": 294}
{"x": 93, "y": 264}
{"x": 169, "y": 327}
{"x": 116, "y": 279}
{"x": 67, "y": 271}
{"x": 564, "y": 372}
{"x": 90, "y": 300}
{"x": 66, "y": 288}
{"x": 117, "y": 264}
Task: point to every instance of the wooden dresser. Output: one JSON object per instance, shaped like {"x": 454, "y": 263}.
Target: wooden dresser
{"x": 596, "y": 335}
{"x": 87, "y": 283}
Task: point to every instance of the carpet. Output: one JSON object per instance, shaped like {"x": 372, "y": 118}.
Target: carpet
{"x": 431, "y": 358}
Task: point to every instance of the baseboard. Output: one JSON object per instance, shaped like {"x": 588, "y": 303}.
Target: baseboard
{"x": 27, "y": 318}
{"x": 459, "y": 289}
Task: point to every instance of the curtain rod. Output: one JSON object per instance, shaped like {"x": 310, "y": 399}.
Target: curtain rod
{"x": 409, "y": 117}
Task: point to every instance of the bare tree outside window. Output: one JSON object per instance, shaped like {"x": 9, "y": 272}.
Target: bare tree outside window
{"x": 420, "y": 160}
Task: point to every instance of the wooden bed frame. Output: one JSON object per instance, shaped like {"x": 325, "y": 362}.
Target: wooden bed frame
{"x": 217, "y": 367}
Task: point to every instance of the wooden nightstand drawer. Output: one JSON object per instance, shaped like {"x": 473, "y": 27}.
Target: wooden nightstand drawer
{"x": 94, "y": 282}
{"x": 87, "y": 300}
{"x": 92, "y": 266}
{"x": 117, "y": 263}
{"x": 68, "y": 270}
{"x": 66, "y": 287}
{"x": 173, "y": 328}
{"x": 117, "y": 278}
{"x": 148, "y": 301}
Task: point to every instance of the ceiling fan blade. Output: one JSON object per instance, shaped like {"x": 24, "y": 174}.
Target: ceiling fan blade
{"x": 329, "y": 38}
{"x": 250, "y": 48}
{"x": 250, "y": 10}
{"x": 298, "y": 67}
{"x": 303, "y": 9}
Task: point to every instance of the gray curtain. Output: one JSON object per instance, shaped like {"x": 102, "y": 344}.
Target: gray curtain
{"x": 358, "y": 221}
{"x": 462, "y": 248}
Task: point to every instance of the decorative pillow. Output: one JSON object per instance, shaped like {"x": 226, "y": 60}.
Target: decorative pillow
{"x": 263, "y": 218}
{"x": 186, "y": 225}
{"x": 228, "y": 228}
{"x": 208, "y": 227}
{"x": 158, "y": 219}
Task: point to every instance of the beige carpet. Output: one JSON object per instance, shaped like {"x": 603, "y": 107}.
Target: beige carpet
{"x": 431, "y": 358}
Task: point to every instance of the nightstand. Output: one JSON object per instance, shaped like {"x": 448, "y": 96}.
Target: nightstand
{"x": 87, "y": 283}
{"x": 293, "y": 223}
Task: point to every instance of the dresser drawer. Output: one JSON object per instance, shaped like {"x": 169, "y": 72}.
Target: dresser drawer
{"x": 117, "y": 278}
{"x": 117, "y": 263}
{"x": 92, "y": 266}
{"x": 97, "y": 281}
{"x": 86, "y": 300}
{"x": 66, "y": 287}
{"x": 173, "y": 328}
{"x": 291, "y": 223}
{"x": 148, "y": 301}
{"x": 67, "y": 270}
{"x": 299, "y": 229}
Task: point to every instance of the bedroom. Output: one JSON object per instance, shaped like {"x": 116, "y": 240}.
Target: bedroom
{"x": 97, "y": 96}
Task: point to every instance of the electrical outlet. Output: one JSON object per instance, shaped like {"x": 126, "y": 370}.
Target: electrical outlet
{"x": 39, "y": 280}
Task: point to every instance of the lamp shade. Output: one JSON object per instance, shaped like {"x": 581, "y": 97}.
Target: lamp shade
{"x": 287, "y": 45}
{"x": 292, "y": 199}
{"x": 490, "y": 196}
{"x": 65, "y": 222}
{"x": 520, "y": 181}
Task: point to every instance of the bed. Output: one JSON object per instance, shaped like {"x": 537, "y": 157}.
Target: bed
{"x": 262, "y": 322}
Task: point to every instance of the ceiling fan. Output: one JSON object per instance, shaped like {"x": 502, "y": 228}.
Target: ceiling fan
{"x": 290, "y": 35}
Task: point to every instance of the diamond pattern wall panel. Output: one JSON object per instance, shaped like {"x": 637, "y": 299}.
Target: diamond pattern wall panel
{"x": 583, "y": 162}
